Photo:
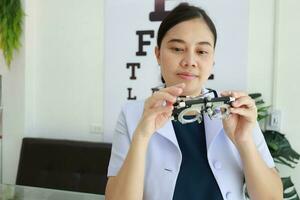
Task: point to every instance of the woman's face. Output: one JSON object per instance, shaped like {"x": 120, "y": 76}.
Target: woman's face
{"x": 187, "y": 55}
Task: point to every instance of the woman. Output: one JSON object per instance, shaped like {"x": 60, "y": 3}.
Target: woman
{"x": 154, "y": 158}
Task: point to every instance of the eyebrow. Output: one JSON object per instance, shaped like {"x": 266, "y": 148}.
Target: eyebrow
{"x": 182, "y": 41}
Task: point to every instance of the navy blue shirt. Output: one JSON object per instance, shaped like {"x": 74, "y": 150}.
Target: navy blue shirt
{"x": 195, "y": 179}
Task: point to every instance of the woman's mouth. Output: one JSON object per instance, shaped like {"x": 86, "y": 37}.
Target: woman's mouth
{"x": 187, "y": 76}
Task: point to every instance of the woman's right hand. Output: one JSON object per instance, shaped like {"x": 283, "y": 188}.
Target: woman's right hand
{"x": 158, "y": 109}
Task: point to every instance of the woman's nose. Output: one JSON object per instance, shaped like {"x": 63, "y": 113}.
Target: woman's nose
{"x": 189, "y": 60}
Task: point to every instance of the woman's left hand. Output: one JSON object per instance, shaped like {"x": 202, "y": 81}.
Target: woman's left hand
{"x": 242, "y": 119}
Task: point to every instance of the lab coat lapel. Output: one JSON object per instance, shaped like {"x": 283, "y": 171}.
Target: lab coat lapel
{"x": 212, "y": 128}
{"x": 168, "y": 132}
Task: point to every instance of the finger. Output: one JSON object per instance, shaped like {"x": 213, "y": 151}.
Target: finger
{"x": 169, "y": 103}
{"x": 162, "y": 110}
{"x": 243, "y": 112}
{"x": 175, "y": 90}
{"x": 166, "y": 95}
{"x": 235, "y": 94}
{"x": 244, "y": 101}
{"x": 163, "y": 96}
{"x": 160, "y": 99}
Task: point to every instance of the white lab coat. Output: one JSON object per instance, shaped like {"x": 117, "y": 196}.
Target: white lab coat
{"x": 164, "y": 156}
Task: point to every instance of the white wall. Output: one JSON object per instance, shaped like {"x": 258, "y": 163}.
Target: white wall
{"x": 55, "y": 86}
{"x": 0, "y": 160}
{"x": 287, "y": 76}
{"x": 260, "y": 56}
{"x": 13, "y": 114}
{"x": 273, "y": 65}
{"x": 68, "y": 68}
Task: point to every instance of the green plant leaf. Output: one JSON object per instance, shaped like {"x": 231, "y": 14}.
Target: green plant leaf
{"x": 289, "y": 189}
{"x": 11, "y": 21}
{"x": 255, "y": 95}
{"x": 280, "y": 148}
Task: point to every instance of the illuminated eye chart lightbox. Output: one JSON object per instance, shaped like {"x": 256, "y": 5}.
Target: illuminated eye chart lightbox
{"x": 130, "y": 66}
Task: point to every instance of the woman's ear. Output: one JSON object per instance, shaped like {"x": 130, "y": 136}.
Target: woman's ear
{"x": 157, "y": 54}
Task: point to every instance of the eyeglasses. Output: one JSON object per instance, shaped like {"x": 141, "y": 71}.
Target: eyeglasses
{"x": 190, "y": 109}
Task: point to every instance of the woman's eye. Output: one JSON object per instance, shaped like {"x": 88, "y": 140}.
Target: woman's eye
{"x": 177, "y": 49}
{"x": 202, "y": 52}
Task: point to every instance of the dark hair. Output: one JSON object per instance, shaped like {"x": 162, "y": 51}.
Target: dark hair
{"x": 184, "y": 12}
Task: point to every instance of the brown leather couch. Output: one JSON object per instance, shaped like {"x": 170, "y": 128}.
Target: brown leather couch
{"x": 64, "y": 164}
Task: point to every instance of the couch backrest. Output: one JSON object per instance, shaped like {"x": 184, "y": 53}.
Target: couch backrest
{"x": 64, "y": 164}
